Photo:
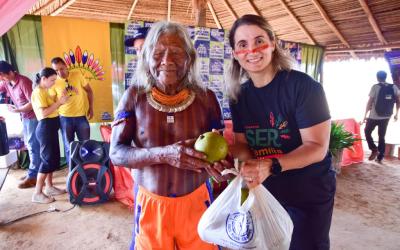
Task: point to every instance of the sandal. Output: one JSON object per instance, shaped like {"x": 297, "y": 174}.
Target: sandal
{"x": 53, "y": 191}
{"x": 42, "y": 198}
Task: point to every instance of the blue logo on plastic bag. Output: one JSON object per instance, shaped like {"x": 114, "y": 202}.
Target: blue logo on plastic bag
{"x": 240, "y": 227}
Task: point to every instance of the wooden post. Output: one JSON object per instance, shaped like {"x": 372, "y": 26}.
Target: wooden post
{"x": 199, "y": 9}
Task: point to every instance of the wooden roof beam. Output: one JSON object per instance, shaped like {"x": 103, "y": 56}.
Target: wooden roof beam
{"x": 255, "y": 9}
{"x": 62, "y": 7}
{"x": 43, "y": 7}
{"x": 291, "y": 14}
{"x": 332, "y": 26}
{"x": 373, "y": 22}
{"x": 132, "y": 9}
{"x": 214, "y": 15}
{"x": 366, "y": 49}
{"x": 229, "y": 7}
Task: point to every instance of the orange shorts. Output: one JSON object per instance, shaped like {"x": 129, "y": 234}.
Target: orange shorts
{"x": 169, "y": 223}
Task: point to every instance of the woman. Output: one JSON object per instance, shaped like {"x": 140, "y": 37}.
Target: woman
{"x": 46, "y": 110}
{"x": 281, "y": 126}
{"x": 157, "y": 122}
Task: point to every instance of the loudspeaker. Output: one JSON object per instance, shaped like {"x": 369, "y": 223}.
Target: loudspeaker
{"x": 4, "y": 149}
{"x": 90, "y": 179}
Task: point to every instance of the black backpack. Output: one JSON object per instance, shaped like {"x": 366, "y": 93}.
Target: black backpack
{"x": 386, "y": 100}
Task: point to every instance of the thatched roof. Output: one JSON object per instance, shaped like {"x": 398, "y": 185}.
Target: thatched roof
{"x": 346, "y": 28}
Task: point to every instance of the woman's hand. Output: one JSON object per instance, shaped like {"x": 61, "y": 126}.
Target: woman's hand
{"x": 74, "y": 89}
{"x": 182, "y": 155}
{"x": 64, "y": 97}
{"x": 255, "y": 172}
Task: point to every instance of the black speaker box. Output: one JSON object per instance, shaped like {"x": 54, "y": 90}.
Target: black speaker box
{"x": 90, "y": 179}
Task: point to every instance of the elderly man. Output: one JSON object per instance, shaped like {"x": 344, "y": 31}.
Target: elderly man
{"x": 75, "y": 113}
{"x": 19, "y": 89}
{"x": 154, "y": 132}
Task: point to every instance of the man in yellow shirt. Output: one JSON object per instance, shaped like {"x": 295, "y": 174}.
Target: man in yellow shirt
{"x": 74, "y": 114}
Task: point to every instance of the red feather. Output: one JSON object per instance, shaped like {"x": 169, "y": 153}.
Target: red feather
{"x": 78, "y": 54}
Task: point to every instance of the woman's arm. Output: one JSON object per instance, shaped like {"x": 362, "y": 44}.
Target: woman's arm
{"x": 314, "y": 148}
{"x": 240, "y": 149}
{"x": 53, "y": 107}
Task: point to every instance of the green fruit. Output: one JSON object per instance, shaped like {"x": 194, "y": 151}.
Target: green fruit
{"x": 213, "y": 145}
{"x": 245, "y": 194}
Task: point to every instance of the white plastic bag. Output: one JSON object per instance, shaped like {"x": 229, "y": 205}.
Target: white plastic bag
{"x": 259, "y": 223}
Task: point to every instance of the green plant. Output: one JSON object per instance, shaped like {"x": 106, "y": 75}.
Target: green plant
{"x": 340, "y": 139}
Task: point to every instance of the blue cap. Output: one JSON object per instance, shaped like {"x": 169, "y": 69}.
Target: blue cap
{"x": 381, "y": 75}
{"x": 139, "y": 33}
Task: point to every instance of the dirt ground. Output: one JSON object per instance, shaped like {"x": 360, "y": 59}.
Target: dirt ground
{"x": 366, "y": 215}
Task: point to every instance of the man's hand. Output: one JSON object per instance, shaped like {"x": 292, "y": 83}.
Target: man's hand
{"x": 12, "y": 108}
{"x": 90, "y": 113}
{"x": 182, "y": 155}
{"x": 363, "y": 121}
{"x": 216, "y": 169}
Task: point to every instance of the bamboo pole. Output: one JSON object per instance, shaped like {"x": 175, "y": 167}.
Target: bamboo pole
{"x": 132, "y": 9}
{"x": 291, "y": 14}
{"x": 332, "y": 26}
{"x": 169, "y": 11}
{"x": 231, "y": 11}
{"x": 373, "y": 22}
{"x": 214, "y": 15}
{"x": 254, "y": 8}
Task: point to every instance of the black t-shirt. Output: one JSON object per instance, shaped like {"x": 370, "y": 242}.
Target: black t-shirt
{"x": 271, "y": 116}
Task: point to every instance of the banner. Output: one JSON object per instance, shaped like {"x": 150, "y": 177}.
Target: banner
{"x": 214, "y": 54}
{"x": 85, "y": 47}
{"x": 393, "y": 58}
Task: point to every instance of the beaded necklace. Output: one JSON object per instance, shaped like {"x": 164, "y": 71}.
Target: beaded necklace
{"x": 170, "y": 104}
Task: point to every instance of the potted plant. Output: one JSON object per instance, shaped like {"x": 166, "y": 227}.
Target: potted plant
{"x": 339, "y": 140}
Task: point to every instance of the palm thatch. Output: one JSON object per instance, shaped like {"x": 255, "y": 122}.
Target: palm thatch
{"x": 346, "y": 28}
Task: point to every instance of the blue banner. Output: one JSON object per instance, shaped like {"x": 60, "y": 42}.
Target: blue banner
{"x": 393, "y": 58}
